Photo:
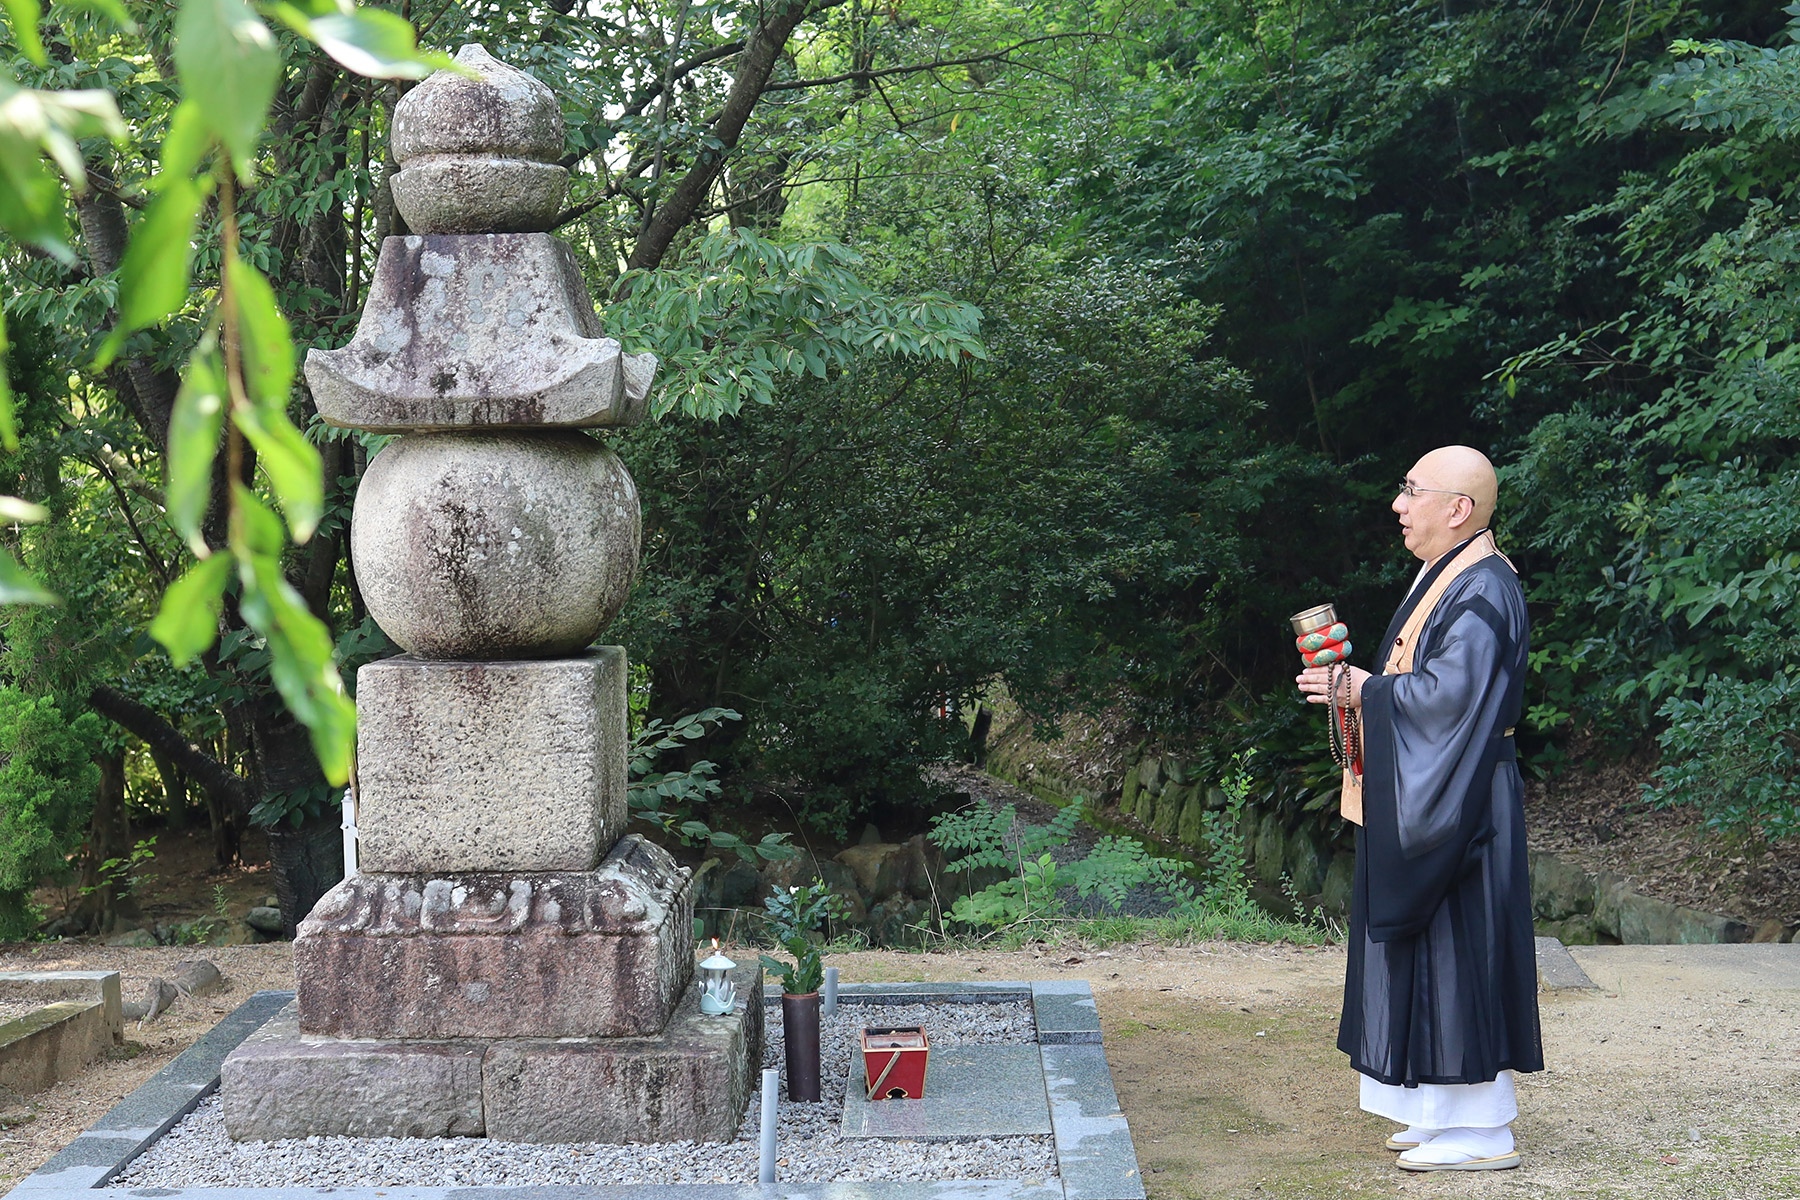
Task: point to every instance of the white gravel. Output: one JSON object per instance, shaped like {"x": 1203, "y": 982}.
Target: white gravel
{"x": 198, "y": 1152}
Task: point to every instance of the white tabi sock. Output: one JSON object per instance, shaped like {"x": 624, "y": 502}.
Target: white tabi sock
{"x": 1413, "y": 1135}
{"x": 1463, "y": 1145}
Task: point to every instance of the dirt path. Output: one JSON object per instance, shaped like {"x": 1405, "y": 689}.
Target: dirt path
{"x": 1681, "y": 1078}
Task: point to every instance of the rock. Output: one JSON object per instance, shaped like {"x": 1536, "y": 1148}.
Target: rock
{"x": 1167, "y": 816}
{"x": 491, "y": 766}
{"x": 893, "y": 922}
{"x": 785, "y": 873}
{"x": 740, "y": 886}
{"x": 477, "y": 154}
{"x": 1150, "y": 774}
{"x": 1247, "y": 827}
{"x": 279, "y": 1084}
{"x": 1771, "y": 930}
{"x": 880, "y": 867}
{"x": 1128, "y": 792}
{"x": 870, "y": 835}
{"x": 1609, "y": 891}
{"x": 1176, "y": 770}
{"x": 923, "y": 863}
{"x": 1340, "y": 878}
{"x": 1559, "y": 889}
{"x": 605, "y": 953}
{"x": 484, "y": 332}
{"x": 1271, "y": 850}
{"x": 1644, "y": 920}
{"x": 264, "y": 919}
{"x": 1578, "y": 930}
{"x": 1216, "y": 797}
{"x": 1306, "y": 864}
{"x": 1190, "y": 829}
{"x": 487, "y": 546}
{"x": 134, "y": 937}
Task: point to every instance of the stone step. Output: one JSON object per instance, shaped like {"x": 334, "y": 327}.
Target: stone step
{"x": 604, "y": 953}
{"x": 692, "y": 1080}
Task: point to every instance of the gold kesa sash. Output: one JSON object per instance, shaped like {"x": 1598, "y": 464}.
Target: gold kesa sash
{"x": 1400, "y": 654}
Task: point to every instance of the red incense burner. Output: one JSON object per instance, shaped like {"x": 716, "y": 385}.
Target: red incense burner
{"x": 894, "y": 1062}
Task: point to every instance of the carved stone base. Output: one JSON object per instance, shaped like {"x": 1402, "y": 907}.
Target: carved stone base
{"x": 692, "y": 1081}
{"x": 603, "y": 953}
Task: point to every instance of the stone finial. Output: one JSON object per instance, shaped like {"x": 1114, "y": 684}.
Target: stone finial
{"x": 478, "y": 155}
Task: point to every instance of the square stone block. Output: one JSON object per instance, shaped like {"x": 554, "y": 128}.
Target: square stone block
{"x": 490, "y": 766}
{"x": 691, "y": 1082}
{"x": 970, "y": 1092}
{"x": 600, "y": 953}
{"x": 280, "y": 1083}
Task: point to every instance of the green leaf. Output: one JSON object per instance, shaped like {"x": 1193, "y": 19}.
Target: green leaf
{"x": 188, "y": 621}
{"x": 115, "y": 9}
{"x": 300, "y": 661}
{"x": 194, "y": 426}
{"x": 24, "y": 15}
{"x": 17, "y": 587}
{"x": 295, "y": 471}
{"x": 153, "y": 279}
{"x": 185, "y": 144}
{"x": 263, "y": 338}
{"x": 368, "y": 41}
{"x": 15, "y": 511}
{"x": 33, "y": 123}
{"x": 255, "y": 530}
{"x": 229, "y": 67}
{"x": 9, "y": 425}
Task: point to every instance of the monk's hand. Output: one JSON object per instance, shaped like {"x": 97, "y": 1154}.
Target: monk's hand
{"x": 1315, "y": 684}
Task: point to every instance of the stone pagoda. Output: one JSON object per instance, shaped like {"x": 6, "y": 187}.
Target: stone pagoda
{"x": 509, "y": 962}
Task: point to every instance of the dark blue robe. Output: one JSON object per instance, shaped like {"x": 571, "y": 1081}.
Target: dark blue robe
{"x": 1442, "y": 979}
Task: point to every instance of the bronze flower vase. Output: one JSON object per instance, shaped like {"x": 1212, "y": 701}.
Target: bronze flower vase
{"x": 800, "y": 1036}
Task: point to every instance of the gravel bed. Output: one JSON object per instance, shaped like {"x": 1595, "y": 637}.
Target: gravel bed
{"x": 198, "y": 1152}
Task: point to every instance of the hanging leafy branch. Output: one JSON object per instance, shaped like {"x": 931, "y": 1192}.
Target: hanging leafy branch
{"x": 240, "y": 376}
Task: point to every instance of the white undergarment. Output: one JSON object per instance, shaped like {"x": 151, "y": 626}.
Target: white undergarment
{"x": 1444, "y": 1105}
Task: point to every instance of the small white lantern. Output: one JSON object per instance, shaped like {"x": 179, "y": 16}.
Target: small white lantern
{"x": 718, "y": 995}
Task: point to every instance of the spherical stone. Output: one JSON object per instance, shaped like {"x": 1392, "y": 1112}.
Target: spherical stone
{"x": 501, "y": 113}
{"x": 515, "y": 545}
{"x": 456, "y": 194}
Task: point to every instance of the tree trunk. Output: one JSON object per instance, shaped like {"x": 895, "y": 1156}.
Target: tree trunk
{"x": 109, "y": 837}
{"x": 175, "y": 793}
{"x": 307, "y": 862}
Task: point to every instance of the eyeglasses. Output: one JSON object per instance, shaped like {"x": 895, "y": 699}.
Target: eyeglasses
{"x": 1409, "y": 488}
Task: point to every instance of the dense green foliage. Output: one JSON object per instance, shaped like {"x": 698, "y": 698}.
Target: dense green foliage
{"x": 1065, "y": 344}
{"x": 46, "y": 788}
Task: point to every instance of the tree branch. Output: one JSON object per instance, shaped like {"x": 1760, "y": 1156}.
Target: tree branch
{"x": 761, "y": 51}
{"x": 162, "y": 737}
{"x": 915, "y": 68}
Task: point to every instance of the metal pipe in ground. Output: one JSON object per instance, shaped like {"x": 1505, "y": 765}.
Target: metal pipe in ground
{"x": 828, "y": 998}
{"x": 771, "y": 1096}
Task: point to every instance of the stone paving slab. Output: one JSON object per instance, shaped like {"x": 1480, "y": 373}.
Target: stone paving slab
{"x": 152, "y": 1110}
{"x": 885, "y": 1189}
{"x": 1065, "y": 1012}
{"x": 970, "y": 1092}
{"x": 1557, "y": 969}
{"x": 1001, "y": 991}
{"x": 1094, "y": 1150}
{"x": 1717, "y": 968}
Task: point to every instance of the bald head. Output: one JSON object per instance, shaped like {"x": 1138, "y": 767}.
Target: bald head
{"x": 1456, "y": 490}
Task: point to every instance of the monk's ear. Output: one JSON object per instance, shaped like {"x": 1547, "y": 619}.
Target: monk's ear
{"x": 1460, "y": 516}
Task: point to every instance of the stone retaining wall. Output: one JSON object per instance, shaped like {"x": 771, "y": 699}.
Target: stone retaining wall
{"x": 1158, "y": 797}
